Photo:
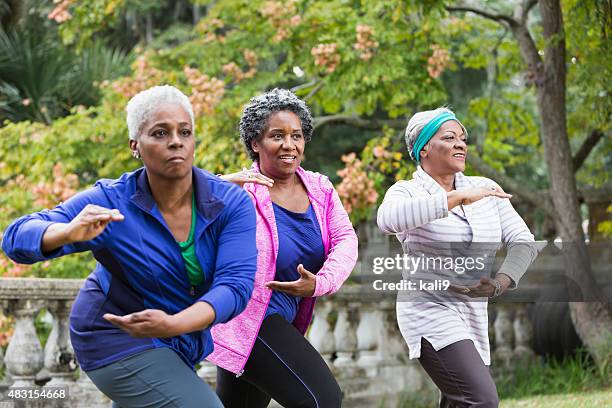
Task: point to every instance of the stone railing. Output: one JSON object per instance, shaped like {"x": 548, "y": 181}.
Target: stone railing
{"x": 356, "y": 334}
{"x": 26, "y": 363}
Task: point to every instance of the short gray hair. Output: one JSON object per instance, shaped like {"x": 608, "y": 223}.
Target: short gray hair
{"x": 255, "y": 116}
{"x": 418, "y": 121}
{"x": 144, "y": 103}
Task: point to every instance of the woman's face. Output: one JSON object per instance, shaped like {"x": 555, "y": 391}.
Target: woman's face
{"x": 166, "y": 142}
{"x": 281, "y": 145}
{"x": 445, "y": 153}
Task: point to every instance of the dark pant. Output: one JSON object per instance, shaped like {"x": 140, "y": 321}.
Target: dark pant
{"x": 460, "y": 374}
{"x": 284, "y": 366}
{"x": 154, "y": 378}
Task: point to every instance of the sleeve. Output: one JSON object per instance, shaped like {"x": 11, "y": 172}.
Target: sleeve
{"x": 522, "y": 248}
{"x": 400, "y": 211}
{"x": 236, "y": 263}
{"x": 23, "y": 238}
{"x": 342, "y": 249}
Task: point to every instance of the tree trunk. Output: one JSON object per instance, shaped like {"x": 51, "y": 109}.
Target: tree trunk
{"x": 592, "y": 319}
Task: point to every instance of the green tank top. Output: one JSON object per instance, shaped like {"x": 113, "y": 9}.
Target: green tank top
{"x": 194, "y": 270}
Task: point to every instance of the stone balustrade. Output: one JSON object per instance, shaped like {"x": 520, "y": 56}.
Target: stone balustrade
{"x": 356, "y": 334}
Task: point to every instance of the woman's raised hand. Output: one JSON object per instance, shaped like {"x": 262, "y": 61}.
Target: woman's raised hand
{"x": 87, "y": 225}
{"x": 247, "y": 176}
{"x": 90, "y": 223}
{"x": 472, "y": 195}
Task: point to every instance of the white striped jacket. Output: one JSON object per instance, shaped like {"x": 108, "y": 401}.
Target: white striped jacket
{"x": 416, "y": 211}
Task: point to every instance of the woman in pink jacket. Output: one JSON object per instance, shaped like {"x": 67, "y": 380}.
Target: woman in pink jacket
{"x": 307, "y": 248}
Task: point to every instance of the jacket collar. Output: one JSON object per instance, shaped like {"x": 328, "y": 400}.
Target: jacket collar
{"x": 432, "y": 186}
{"x": 209, "y": 206}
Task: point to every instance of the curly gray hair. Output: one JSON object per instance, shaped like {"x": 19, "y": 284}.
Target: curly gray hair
{"x": 418, "y": 121}
{"x": 255, "y": 116}
{"x": 144, "y": 103}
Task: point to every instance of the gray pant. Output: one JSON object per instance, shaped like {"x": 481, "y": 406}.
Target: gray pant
{"x": 460, "y": 374}
{"x": 154, "y": 378}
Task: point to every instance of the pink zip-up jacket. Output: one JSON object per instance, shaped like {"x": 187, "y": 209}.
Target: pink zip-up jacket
{"x": 234, "y": 340}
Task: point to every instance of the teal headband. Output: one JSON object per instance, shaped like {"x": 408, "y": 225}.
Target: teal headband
{"x": 428, "y": 131}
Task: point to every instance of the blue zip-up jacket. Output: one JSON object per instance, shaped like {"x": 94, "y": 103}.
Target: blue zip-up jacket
{"x": 140, "y": 264}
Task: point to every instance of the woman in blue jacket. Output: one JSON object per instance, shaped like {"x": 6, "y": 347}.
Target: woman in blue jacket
{"x": 176, "y": 254}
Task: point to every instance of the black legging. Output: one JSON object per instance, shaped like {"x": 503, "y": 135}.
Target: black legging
{"x": 283, "y": 365}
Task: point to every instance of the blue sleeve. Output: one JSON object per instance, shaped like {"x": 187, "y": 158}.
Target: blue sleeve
{"x": 236, "y": 262}
{"x": 23, "y": 238}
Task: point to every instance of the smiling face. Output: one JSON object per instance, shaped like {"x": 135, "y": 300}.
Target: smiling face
{"x": 445, "y": 153}
{"x": 166, "y": 142}
{"x": 281, "y": 145}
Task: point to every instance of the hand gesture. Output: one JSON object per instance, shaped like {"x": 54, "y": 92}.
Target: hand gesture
{"x": 90, "y": 223}
{"x": 484, "y": 288}
{"x": 303, "y": 287}
{"x": 248, "y": 176}
{"x": 148, "y": 323}
{"x": 472, "y": 195}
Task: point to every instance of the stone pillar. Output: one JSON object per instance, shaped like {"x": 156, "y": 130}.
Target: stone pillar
{"x": 59, "y": 359}
{"x": 523, "y": 333}
{"x": 24, "y": 354}
{"x": 346, "y": 340}
{"x": 208, "y": 372}
{"x": 369, "y": 330}
{"x": 320, "y": 334}
{"x": 504, "y": 333}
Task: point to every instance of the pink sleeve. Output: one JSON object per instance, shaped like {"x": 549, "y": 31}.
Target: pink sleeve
{"x": 342, "y": 250}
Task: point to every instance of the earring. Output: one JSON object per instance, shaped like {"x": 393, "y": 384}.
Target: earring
{"x": 136, "y": 154}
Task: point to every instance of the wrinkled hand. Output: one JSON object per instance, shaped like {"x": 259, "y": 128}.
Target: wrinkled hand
{"x": 303, "y": 287}
{"x": 472, "y": 195}
{"x": 484, "y": 288}
{"x": 90, "y": 223}
{"x": 148, "y": 323}
{"x": 247, "y": 176}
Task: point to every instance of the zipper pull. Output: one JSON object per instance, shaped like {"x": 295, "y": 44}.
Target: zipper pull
{"x": 192, "y": 291}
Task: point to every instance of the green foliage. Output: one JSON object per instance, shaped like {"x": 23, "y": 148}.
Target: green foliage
{"x": 88, "y": 18}
{"x": 550, "y": 376}
{"x": 41, "y": 80}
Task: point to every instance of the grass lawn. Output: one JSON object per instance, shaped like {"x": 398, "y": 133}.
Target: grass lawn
{"x": 595, "y": 399}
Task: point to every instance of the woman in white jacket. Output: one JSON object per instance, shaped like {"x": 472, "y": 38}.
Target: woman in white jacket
{"x": 430, "y": 214}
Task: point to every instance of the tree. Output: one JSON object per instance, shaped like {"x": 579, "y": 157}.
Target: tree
{"x": 592, "y": 319}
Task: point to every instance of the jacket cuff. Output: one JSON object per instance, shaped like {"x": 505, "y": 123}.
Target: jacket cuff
{"x": 221, "y": 299}
{"x": 31, "y": 248}
{"x": 321, "y": 287}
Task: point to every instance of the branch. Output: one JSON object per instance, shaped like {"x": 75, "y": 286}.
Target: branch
{"x": 529, "y": 51}
{"x": 357, "y": 122}
{"x": 539, "y": 199}
{"x": 592, "y": 195}
{"x": 535, "y": 198}
{"x": 304, "y": 86}
{"x": 587, "y": 146}
{"x": 527, "y": 6}
{"x": 500, "y": 18}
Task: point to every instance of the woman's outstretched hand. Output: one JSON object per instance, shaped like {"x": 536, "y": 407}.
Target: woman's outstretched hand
{"x": 303, "y": 287}
{"x": 247, "y": 176}
{"x": 148, "y": 323}
{"x": 90, "y": 222}
{"x": 87, "y": 225}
